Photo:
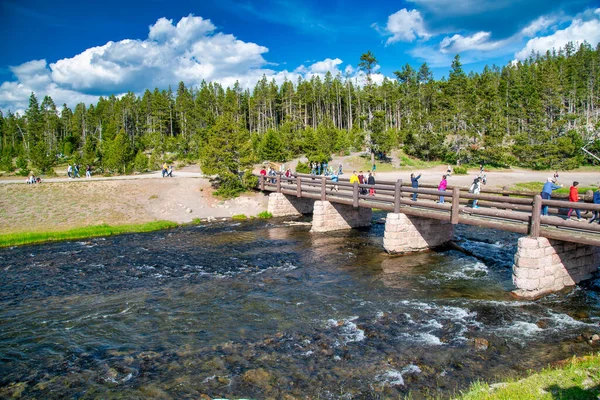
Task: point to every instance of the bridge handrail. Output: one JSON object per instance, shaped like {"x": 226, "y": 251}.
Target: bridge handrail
{"x": 517, "y": 214}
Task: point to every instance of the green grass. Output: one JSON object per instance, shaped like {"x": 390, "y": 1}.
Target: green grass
{"x": 13, "y": 239}
{"x": 239, "y": 216}
{"x": 265, "y": 215}
{"x": 577, "y": 379}
{"x": 537, "y": 187}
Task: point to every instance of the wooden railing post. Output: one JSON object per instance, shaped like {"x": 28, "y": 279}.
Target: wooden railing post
{"x": 536, "y": 212}
{"x": 455, "y": 206}
{"x": 278, "y": 183}
{"x": 397, "y": 195}
{"x": 298, "y": 186}
{"x": 355, "y": 195}
{"x": 323, "y": 188}
{"x": 262, "y": 182}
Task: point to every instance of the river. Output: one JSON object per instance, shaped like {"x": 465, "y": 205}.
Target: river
{"x": 259, "y": 309}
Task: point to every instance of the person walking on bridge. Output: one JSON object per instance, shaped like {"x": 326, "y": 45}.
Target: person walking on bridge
{"x": 414, "y": 182}
{"x": 546, "y": 194}
{"x": 475, "y": 189}
{"x": 442, "y": 187}
{"x": 574, "y": 198}
{"x": 596, "y": 201}
{"x": 371, "y": 182}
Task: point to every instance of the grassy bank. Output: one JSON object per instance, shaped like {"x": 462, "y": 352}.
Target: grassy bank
{"x": 537, "y": 187}
{"x": 13, "y": 239}
{"x": 575, "y": 379}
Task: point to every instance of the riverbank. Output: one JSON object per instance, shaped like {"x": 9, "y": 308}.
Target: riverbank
{"x": 578, "y": 378}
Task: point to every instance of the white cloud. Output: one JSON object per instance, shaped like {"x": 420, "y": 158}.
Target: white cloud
{"x": 404, "y": 26}
{"x": 478, "y": 41}
{"x": 190, "y": 51}
{"x": 325, "y": 66}
{"x": 579, "y": 31}
{"x": 538, "y": 25}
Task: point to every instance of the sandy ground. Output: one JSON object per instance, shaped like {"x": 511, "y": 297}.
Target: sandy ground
{"x": 61, "y": 203}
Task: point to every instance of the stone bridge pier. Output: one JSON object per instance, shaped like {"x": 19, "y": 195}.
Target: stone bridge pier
{"x": 543, "y": 266}
{"x": 281, "y": 205}
{"x": 409, "y": 234}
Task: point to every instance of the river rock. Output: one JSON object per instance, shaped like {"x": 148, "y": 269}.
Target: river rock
{"x": 595, "y": 337}
{"x": 481, "y": 343}
{"x": 258, "y": 377}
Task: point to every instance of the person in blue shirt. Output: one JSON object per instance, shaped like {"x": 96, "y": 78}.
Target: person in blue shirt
{"x": 334, "y": 180}
{"x": 414, "y": 182}
{"x": 596, "y": 201}
{"x": 549, "y": 186}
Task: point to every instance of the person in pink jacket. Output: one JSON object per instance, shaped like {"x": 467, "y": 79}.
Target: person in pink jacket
{"x": 442, "y": 187}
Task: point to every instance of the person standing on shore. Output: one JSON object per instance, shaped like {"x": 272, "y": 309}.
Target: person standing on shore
{"x": 414, "y": 182}
{"x": 70, "y": 171}
{"x": 442, "y": 187}
{"x": 88, "y": 171}
{"x": 546, "y": 194}
{"x": 574, "y": 198}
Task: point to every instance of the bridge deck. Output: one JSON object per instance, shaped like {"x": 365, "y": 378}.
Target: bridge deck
{"x": 517, "y": 213}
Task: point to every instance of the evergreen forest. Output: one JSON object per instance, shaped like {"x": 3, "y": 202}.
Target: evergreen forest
{"x": 537, "y": 114}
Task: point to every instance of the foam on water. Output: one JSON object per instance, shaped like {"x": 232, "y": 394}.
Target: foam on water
{"x": 348, "y": 330}
{"x": 394, "y": 377}
{"x": 477, "y": 270}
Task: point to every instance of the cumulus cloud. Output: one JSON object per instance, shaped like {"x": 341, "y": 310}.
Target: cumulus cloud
{"x": 404, "y": 26}
{"x": 584, "y": 28}
{"x": 190, "y": 51}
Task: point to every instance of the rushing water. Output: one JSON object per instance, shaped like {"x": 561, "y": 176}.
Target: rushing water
{"x": 264, "y": 310}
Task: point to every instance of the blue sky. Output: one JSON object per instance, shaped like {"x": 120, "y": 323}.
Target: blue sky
{"x": 77, "y": 51}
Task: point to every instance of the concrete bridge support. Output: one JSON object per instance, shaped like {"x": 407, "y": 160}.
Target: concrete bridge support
{"x": 543, "y": 266}
{"x": 334, "y": 216}
{"x": 408, "y": 234}
{"x": 281, "y": 205}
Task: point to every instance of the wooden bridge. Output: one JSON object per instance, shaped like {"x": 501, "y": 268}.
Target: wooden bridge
{"x": 553, "y": 253}
{"x": 509, "y": 211}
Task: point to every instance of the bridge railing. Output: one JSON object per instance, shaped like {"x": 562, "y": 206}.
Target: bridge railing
{"x": 516, "y": 214}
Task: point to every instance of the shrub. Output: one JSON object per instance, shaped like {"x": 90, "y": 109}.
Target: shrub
{"x": 239, "y": 216}
{"x": 265, "y": 215}
{"x": 141, "y": 162}
{"x": 303, "y": 168}
{"x": 460, "y": 170}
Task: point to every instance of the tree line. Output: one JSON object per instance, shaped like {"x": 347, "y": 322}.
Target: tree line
{"x": 537, "y": 113}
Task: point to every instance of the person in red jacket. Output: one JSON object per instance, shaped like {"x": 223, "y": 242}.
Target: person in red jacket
{"x": 574, "y": 197}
